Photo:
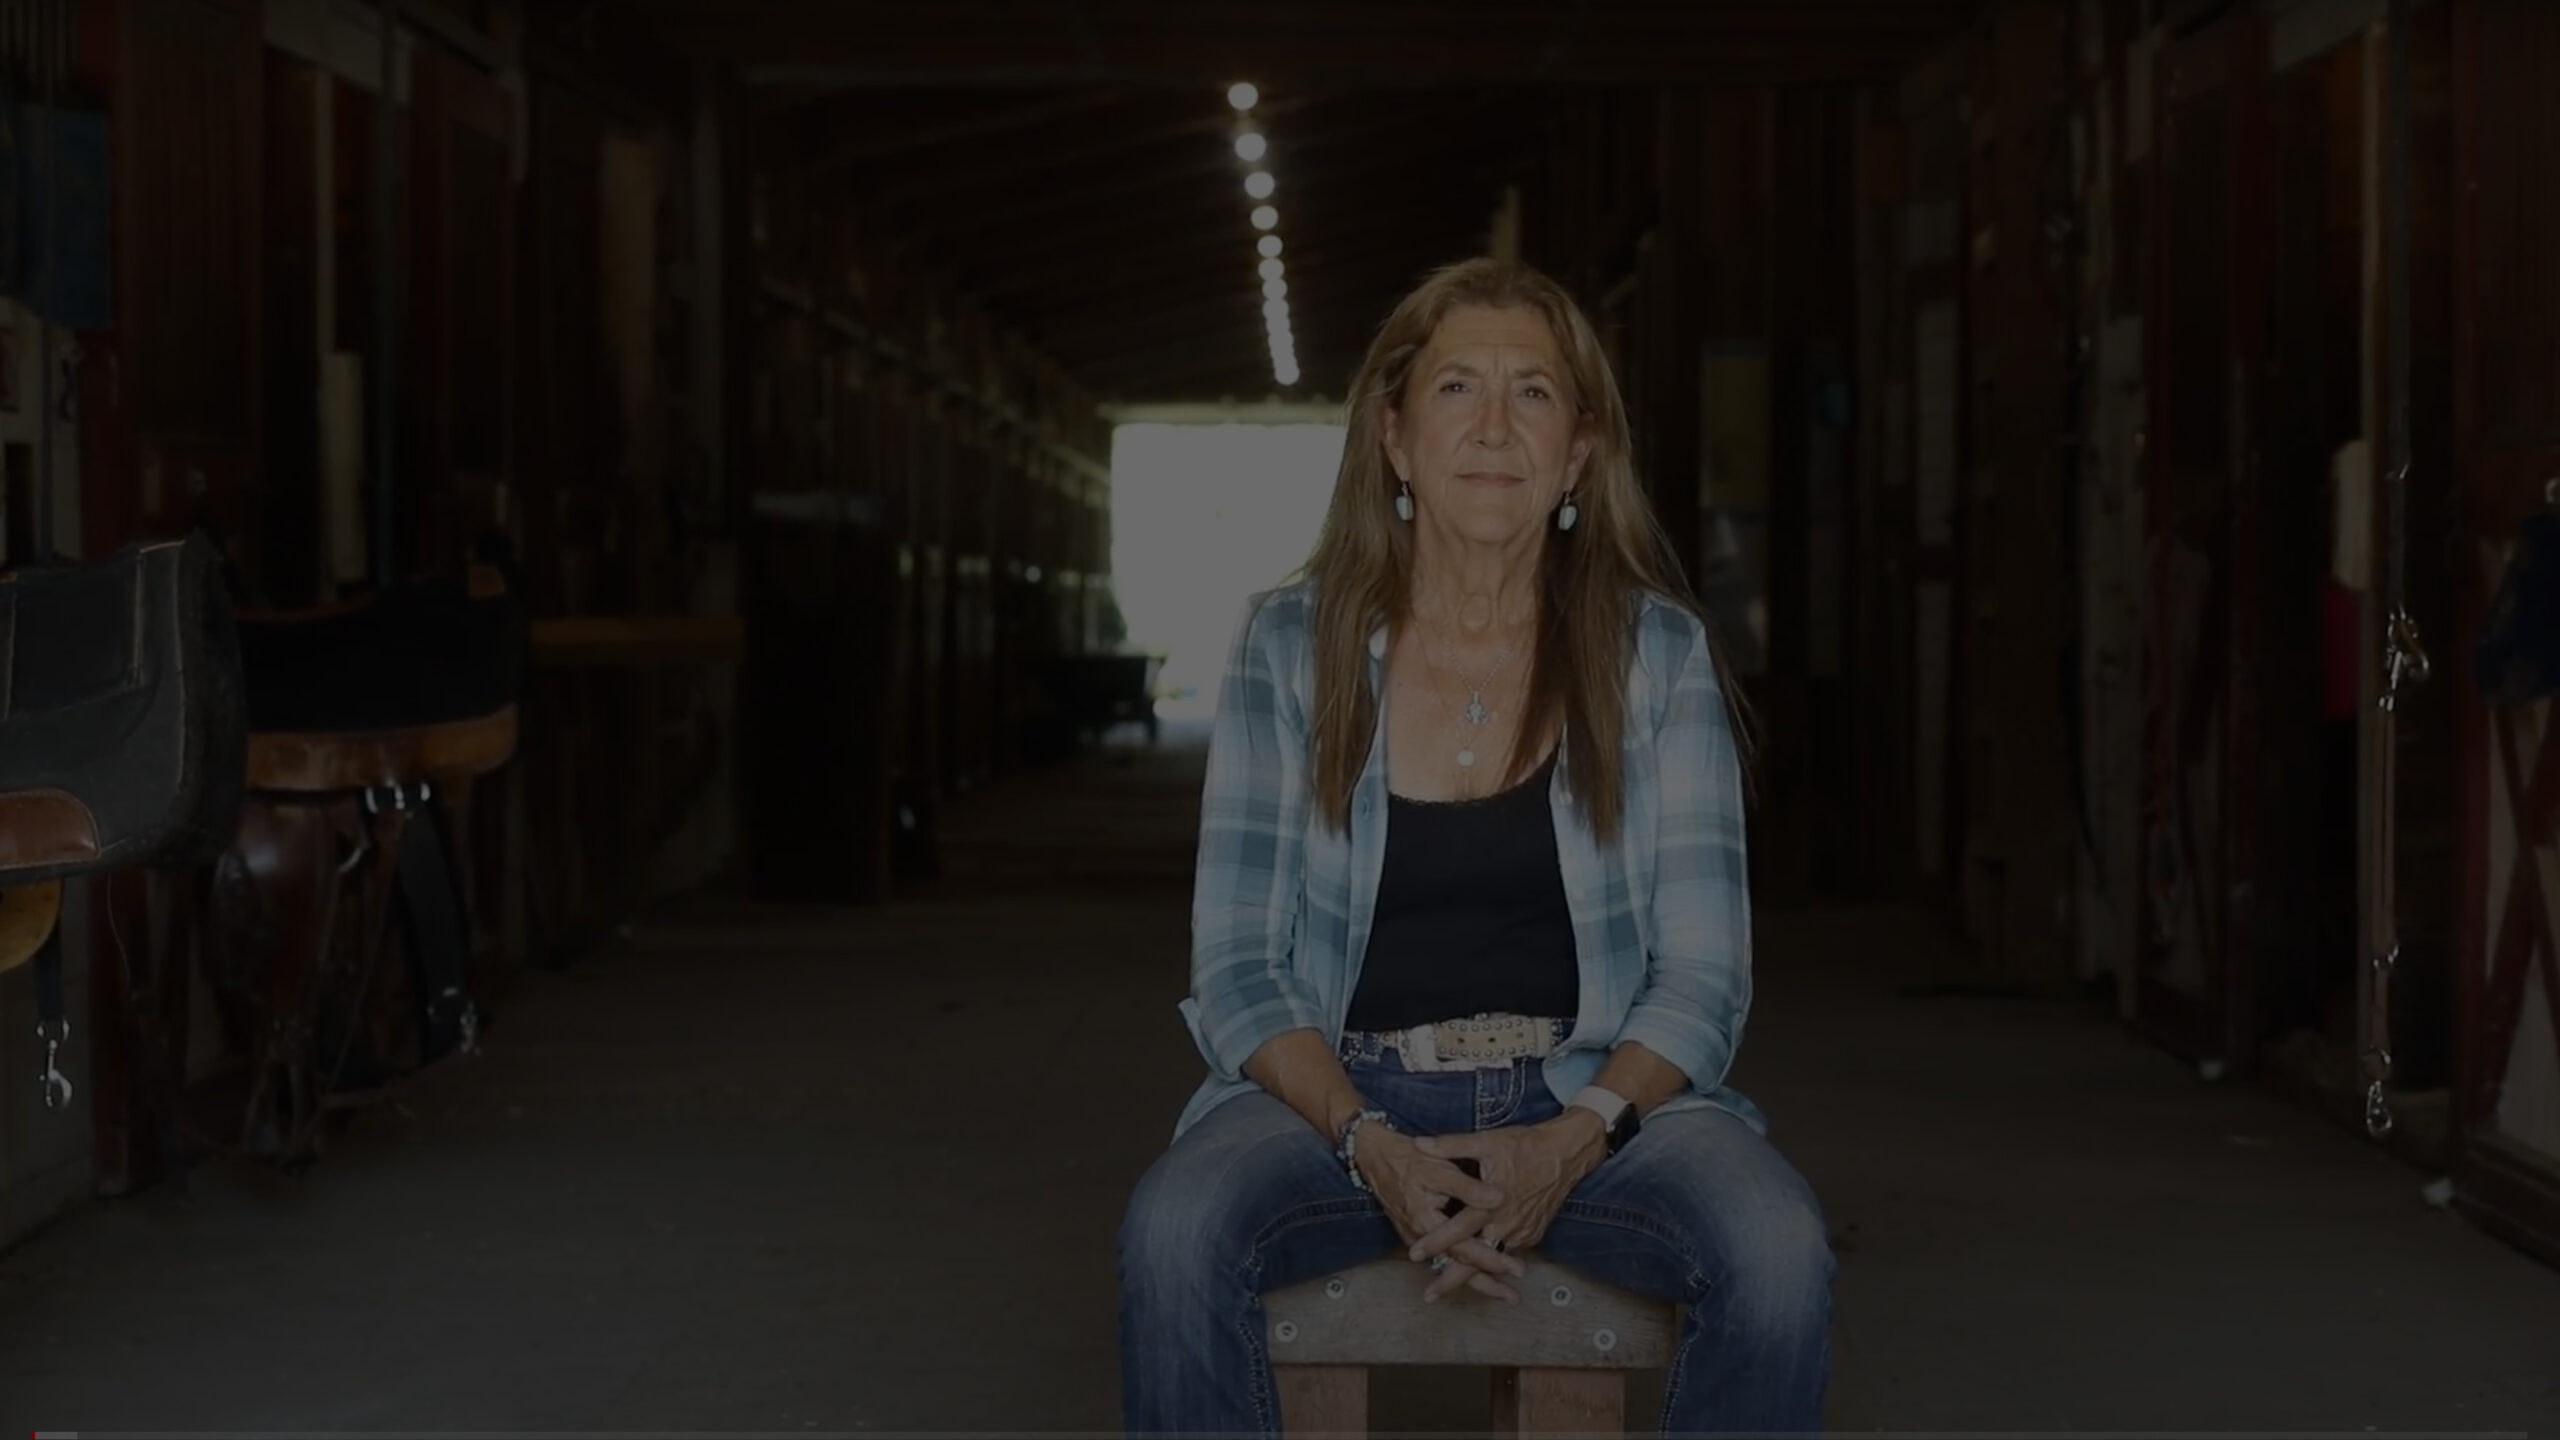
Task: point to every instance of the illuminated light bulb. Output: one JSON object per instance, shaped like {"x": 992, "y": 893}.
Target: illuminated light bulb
{"x": 1264, "y": 217}
{"x": 1275, "y": 288}
{"x": 1271, "y": 269}
{"x": 1269, "y": 245}
{"x": 1250, "y": 146}
{"x": 1259, "y": 185}
{"x": 1276, "y": 311}
{"x": 1242, "y": 95}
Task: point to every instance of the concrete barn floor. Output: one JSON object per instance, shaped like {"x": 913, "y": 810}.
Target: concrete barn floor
{"x": 838, "y": 1170}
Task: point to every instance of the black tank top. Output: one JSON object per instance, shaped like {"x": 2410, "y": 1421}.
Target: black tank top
{"x": 1471, "y": 913}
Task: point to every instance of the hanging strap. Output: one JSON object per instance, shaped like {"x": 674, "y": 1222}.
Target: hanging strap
{"x": 53, "y": 1027}
{"x": 2404, "y": 658}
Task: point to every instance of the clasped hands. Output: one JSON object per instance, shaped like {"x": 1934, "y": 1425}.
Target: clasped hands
{"x": 1523, "y": 1174}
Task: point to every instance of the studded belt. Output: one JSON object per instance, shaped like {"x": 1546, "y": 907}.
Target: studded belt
{"x": 1479, "y": 1042}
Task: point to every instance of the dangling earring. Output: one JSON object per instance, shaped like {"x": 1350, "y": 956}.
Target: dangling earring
{"x": 1567, "y": 513}
{"x": 1404, "y": 502}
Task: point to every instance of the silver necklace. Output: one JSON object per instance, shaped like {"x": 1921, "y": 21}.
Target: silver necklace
{"x": 1476, "y": 715}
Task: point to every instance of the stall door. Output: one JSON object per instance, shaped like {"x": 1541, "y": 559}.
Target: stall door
{"x": 2507, "y": 437}
{"x": 2193, "y": 990}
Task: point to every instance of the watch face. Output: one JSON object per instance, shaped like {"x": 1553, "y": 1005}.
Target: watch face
{"x": 1623, "y": 1129}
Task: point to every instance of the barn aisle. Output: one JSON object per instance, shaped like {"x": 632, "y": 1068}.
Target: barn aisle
{"x": 839, "y": 1171}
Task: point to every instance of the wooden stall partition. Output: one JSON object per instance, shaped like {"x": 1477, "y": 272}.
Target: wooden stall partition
{"x": 566, "y": 508}
{"x": 171, "y": 409}
{"x": 2506, "y": 406}
{"x": 1880, "y": 553}
{"x": 2323, "y": 601}
{"x": 618, "y": 752}
{"x": 2196, "y": 992}
{"x": 972, "y": 620}
{"x": 297, "y": 330}
{"x": 1926, "y": 345}
{"x": 2105, "y": 532}
{"x": 459, "y": 348}
{"x": 929, "y": 716}
{"x": 914, "y": 765}
{"x": 1020, "y": 598}
{"x": 817, "y": 657}
{"x": 459, "y": 196}
{"x": 1812, "y": 397}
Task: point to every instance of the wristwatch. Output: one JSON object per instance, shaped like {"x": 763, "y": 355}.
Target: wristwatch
{"x": 1618, "y": 1121}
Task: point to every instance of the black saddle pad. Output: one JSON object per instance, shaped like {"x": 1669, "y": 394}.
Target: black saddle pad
{"x": 120, "y": 687}
{"x": 424, "y": 653}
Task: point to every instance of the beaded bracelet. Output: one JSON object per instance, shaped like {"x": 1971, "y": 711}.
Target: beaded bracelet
{"x": 1348, "y": 1149}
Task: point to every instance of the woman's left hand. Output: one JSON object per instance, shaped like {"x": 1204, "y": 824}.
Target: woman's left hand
{"x": 1534, "y": 1166}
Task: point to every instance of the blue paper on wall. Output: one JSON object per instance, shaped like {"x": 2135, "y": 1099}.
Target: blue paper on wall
{"x": 66, "y": 246}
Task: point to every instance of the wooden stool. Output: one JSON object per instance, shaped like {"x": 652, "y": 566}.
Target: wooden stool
{"x": 1559, "y": 1358}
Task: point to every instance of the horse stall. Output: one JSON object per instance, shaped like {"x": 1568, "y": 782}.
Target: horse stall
{"x": 2506, "y": 445}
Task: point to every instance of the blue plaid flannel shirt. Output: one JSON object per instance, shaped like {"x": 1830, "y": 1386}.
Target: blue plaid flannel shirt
{"x": 1282, "y": 904}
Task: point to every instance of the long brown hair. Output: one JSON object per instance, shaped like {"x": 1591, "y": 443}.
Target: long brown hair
{"x": 1588, "y": 578}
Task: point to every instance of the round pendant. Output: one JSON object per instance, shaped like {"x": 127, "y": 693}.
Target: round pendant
{"x": 1466, "y": 759}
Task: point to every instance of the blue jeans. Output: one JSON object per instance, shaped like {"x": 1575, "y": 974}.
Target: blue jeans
{"x": 1697, "y": 1209}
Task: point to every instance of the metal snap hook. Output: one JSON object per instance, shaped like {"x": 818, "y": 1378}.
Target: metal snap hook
{"x": 55, "y": 1086}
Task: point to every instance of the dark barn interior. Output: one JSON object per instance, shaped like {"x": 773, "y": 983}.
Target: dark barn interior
{"x": 676, "y": 918}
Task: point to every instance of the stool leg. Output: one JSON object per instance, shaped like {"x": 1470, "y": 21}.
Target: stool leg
{"x": 1323, "y": 1399}
{"x": 1506, "y": 1401}
{"x": 1559, "y": 1402}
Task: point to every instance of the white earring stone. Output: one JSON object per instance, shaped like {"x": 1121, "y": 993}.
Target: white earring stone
{"x": 1404, "y": 504}
{"x": 1567, "y": 514}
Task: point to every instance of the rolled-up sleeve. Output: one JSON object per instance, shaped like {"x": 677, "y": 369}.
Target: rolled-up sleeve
{"x": 1697, "y": 988}
{"x": 1245, "y": 892}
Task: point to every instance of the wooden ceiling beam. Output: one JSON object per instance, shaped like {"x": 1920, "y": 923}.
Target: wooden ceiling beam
{"x": 1112, "y": 168}
{"x": 1022, "y": 261}
{"x": 1169, "y": 358}
{"x": 1004, "y": 155}
{"x": 1238, "y": 323}
{"x": 1035, "y": 269}
{"x": 836, "y": 144}
{"x": 1104, "y": 313}
{"x": 1717, "y": 67}
{"x": 1036, "y": 260}
{"x": 1284, "y": 46}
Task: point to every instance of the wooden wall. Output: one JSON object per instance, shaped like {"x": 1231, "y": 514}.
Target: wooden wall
{"x": 577, "y": 323}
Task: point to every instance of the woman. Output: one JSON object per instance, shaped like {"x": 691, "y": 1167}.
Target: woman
{"x": 1471, "y": 896}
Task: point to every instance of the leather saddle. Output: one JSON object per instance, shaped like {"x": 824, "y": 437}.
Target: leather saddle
{"x": 342, "y": 918}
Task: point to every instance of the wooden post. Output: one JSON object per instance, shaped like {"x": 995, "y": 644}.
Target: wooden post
{"x": 1323, "y": 1400}
{"x": 1559, "y": 1402}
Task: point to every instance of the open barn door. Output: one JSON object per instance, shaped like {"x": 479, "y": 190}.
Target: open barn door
{"x": 2194, "y": 990}
{"x": 2507, "y": 446}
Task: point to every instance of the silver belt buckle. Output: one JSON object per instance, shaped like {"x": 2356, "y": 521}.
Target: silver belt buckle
{"x": 1420, "y": 1047}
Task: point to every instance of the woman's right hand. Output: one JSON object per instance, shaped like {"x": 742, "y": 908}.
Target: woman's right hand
{"x": 1415, "y": 1190}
